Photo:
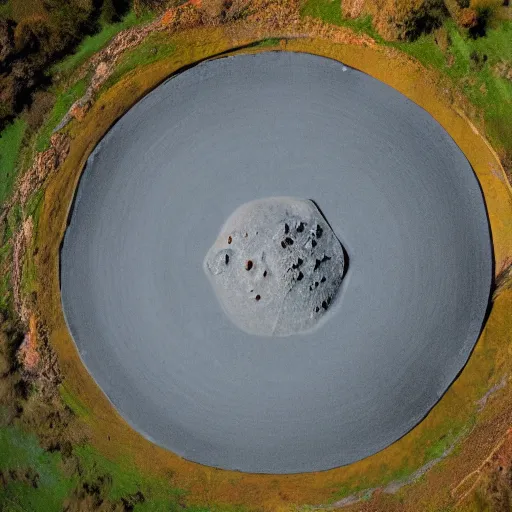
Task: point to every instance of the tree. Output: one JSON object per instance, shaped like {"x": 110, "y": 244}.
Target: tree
{"x": 109, "y": 12}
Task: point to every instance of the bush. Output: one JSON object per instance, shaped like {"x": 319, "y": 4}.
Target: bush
{"x": 479, "y": 29}
{"x": 6, "y": 41}
{"x": 31, "y": 35}
{"x": 41, "y": 105}
{"x": 221, "y": 11}
{"x": 141, "y": 6}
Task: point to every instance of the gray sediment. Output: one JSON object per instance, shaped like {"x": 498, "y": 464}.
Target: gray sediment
{"x": 395, "y": 188}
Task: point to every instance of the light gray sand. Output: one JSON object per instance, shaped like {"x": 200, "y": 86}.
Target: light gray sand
{"x": 396, "y": 190}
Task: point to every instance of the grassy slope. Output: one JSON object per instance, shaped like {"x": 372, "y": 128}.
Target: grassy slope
{"x": 156, "y": 47}
{"x": 473, "y": 71}
{"x": 13, "y": 155}
{"x": 92, "y": 44}
{"x": 469, "y": 72}
{"x": 65, "y": 98}
{"x": 330, "y": 12}
{"x": 42, "y": 483}
{"x": 10, "y": 145}
{"x": 12, "y": 136}
{"x": 21, "y": 453}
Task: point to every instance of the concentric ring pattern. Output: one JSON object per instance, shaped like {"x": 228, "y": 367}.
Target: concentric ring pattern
{"x": 398, "y": 193}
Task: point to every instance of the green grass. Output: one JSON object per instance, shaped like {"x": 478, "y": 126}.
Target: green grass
{"x": 326, "y": 10}
{"x": 425, "y": 50}
{"x": 125, "y": 480}
{"x": 63, "y": 103}
{"x": 10, "y": 145}
{"x": 6, "y": 10}
{"x": 14, "y": 218}
{"x": 92, "y": 44}
{"x": 29, "y": 275}
{"x": 21, "y": 452}
{"x": 74, "y": 403}
{"x": 487, "y": 90}
{"x": 329, "y": 11}
{"x": 33, "y": 206}
{"x": 472, "y": 70}
{"x": 271, "y": 41}
{"x": 476, "y": 79}
{"x": 156, "y": 47}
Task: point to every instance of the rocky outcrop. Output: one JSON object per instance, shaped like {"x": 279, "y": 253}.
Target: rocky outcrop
{"x": 276, "y": 266}
{"x": 21, "y": 241}
{"x": 45, "y": 163}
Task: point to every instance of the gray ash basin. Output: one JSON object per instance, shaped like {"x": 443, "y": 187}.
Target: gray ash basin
{"x": 275, "y": 397}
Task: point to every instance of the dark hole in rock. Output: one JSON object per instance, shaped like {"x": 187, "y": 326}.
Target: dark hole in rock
{"x": 316, "y": 284}
{"x": 324, "y": 304}
{"x": 258, "y": 297}
{"x": 286, "y": 229}
{"x": 248, "y": 265}
{"x": 313, "y": 243}
{"x": 300, "y": 276}
{"x": 289, "y": 240}
{"x": 317, "y": 309}
{"x": 322, "y": 280}
{"x": 319, "y": 262}
{"x": 300, "y": 227}
{"x": 226, "y": 259}
{"x": 265, "y": 274}
{"x": 230, "y": 239}
{"x": 319, "y": 231}
{"x": 283, "y": 244}
{"x": 300, "y": 261}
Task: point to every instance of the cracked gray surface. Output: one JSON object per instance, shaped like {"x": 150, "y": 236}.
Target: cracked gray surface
{"x": 396, "y": 190}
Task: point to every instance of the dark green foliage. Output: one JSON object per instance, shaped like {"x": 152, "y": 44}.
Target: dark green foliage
{"x": 42, "y": 103}
{"x": 483, "y": 17}
{"x": 113, "y": 10}
{"x": 428, "y": 17}
{"x": 30, "y": 44}
{"x": 141, "y": 6}
{"x": 477, "y": 60}
{"x": 108, "y": 12}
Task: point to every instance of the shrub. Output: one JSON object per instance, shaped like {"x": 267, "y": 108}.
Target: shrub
{"x": 31, "y": 35}
{"x": 41, "y": 105}
{"x": 6, "y": 41}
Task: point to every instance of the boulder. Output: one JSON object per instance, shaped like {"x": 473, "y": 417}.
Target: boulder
{"x": 276, "y": 266}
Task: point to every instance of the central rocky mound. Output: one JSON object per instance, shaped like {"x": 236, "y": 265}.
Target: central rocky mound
{"x": 276, "y": 266}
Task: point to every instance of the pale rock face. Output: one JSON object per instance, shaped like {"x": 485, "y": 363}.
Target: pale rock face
{"x": 276, "y": 266}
